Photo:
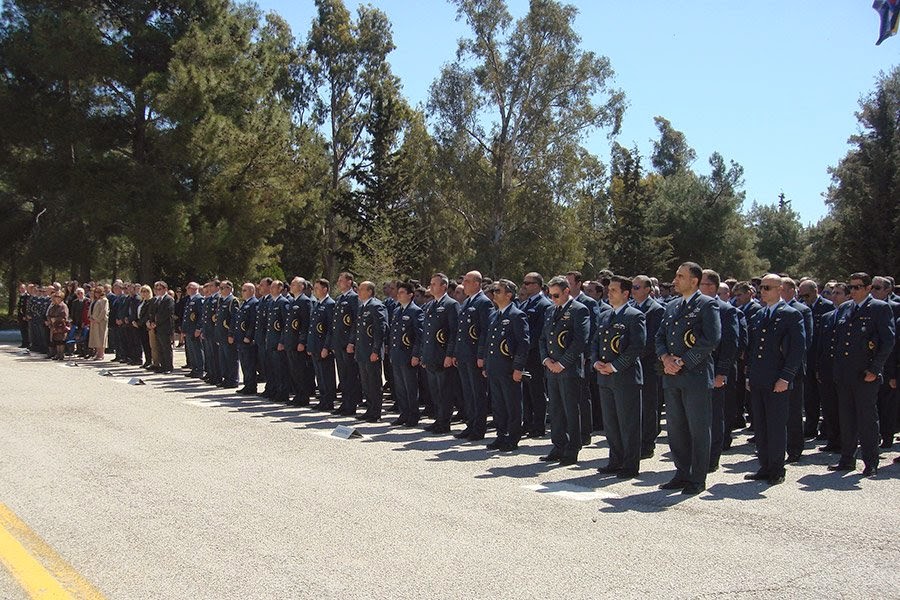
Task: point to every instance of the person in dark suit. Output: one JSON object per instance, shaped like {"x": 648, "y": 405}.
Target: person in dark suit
{"x": 438, "y": 342}
{"x": 301, "y": 372}
{"x": 22, "y": 314}
{"x": 534, "y": 411}
{"x": 795, "y": 443}
{"x": 191, "y": 324}
{"x": 277, "y": 384}
{"x": 743, "y": 296}
{"x": 808, "y": 292}
{"x": 587, "y": 402}
{"x": 225, "y": 317}
{"x": 318, "y": 344}
{"x": 725, "y": 360}
{"x": 774, "y": 357}
{"x": 389, "y": 289}
{"x": 505, "y": 355}
{"x": 616, "y": 360}
{"x": 468, "y": 355}
{"x": 564, "y": 340}
{"x": 244, "y": 333}
{"x": 346, "y": 305}
{"x": 164, "y": 325}
{"x": 263, "y": 292}
{"x": 826, "y": 348}
{"x": 208, "y": 335}
{"x": 865, "y": 336}
{"x": 685, "y": 342}
{"x": 651, "y": 368}
{"x": 405, "y": 343}
{"x": 367, "y": 345}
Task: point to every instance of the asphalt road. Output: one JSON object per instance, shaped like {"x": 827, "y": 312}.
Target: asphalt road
{"x": 178, "y": 490}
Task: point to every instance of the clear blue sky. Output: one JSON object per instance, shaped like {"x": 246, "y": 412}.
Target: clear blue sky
{"x": 771, "y": 84}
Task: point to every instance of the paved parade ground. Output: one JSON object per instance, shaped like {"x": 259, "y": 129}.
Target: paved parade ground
{"x": 174, "y": 489}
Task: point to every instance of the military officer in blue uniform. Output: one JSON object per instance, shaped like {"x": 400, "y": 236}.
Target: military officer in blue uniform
{"x": 774, "y": 358}
{"x": 208, "y": 335}
{"x": 277, "y": 385}
{"x": 226, "y": 314}
{"x": 808, "y": 291}
{"x": 405, "y": 349}
{"x": 367, "y": 345}
{"x": 616, "y": 361}
{"x": 244, "y": 334}
{"x": 535, "y": 305}
{"x": 191, "y": 324}
{"x": 263, "y": 291}
{"x": 438, "y": 341}
{"x": 795, "y": 441}
{"x": 685, "y": 342}
{"x": 301, "y": 374}
{"x": 725, "y": 360}
{"x": 651, "y": 390}
{"x": 389, "y": 289}
{"x": 468, "y": 355}
{"x": 743, "y": 296}
{"x": 587, "y": 402}
{"x": 826, "y": 347}
{"x": 505, "y": 355}
{"x": 346, "y": 305}
{"x": 564, "y": 340}
{"x": 319, "y": 344}
{"x": 864, "y": 337}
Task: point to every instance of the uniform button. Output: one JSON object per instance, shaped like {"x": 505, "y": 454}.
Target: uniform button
{"x": 760, "y": 356}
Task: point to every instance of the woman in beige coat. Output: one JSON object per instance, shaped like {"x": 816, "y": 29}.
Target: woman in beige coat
{"x": 99, "y": 321}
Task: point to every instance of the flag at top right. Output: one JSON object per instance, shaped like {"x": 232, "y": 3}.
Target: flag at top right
{"x": 888, "y": 11}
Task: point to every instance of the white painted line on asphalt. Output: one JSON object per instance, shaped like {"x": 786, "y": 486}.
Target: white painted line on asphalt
{"x": 570, "y": 491}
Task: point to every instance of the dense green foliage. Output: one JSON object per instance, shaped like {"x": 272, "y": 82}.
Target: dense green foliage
{"x": 192, "y": 138}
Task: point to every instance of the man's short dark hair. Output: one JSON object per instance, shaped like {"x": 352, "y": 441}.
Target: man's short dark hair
{"x": 576, "y": 275}
{"x": 713, "y": 277}
{"x": 864, "y": 277}
{"x": 559, "y": 281}
{"x": 444, "y": 279}
{"x": 694, "y": 269}
{"x": 266, "y": 280}
{"x": 624, "y": 282}
{"x": 506, "y": 285}
{"x": 406, "y": 286}
{"x": 324, "y": 283}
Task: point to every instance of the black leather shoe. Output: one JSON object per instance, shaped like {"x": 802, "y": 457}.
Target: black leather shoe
{"x": 474, "y": 437}
{"x": 462, "y": 434}
{"x": 550, "y": 458}
{"x": 397, "y": 422}
{"x": 428, "y": 427}
{"x": 627, "y": 474}
{"x": 830, "y": 448}
{"x": 793, "y": 458}
{"x": 758, "y": 476}
{"x": 886, "y": 443}
{"x": 647, "y": 454}
{"x": 568, "y": 460}
{"x": 586, "y": 440}
{"x": 713, "y": 468}
{"x": 440, "y": 430}
{"x": 775, "y": 480}
{"x": 841, "y": 467}
{"x": 870, "y": 471}
{"x": 495, "y": 445}
{"x": 372, "y": 420}
{"x": 609, "y": 470}
{"x": 246, "y": 392}
{"x": 692, "y": 489}
{"x": 673, "y": 484}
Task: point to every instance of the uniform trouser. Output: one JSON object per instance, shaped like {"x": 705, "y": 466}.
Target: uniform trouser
{"x": 247, "y": 358}
{"x": 348, "y": 373}
{"x": 406, "y": 388}
{"x": 370, "y": 380}
{"x": 439, "y": 383}
{"x": 534, "y": 408}
{"x": 228, "y": 362}
{"x": 194, "y": 349}
{"x": 134, "y": 343}
{"x": 770, "y": 418}
{"x": 24, "y": 330}
{"x": 112, "y": 336}
{"x": 277, "y": 381}
{"x": 39, "y": 341}
{"x": 388, "y": 372}
{"x": 586, "y": 405}
{"x": 831, "y": 423}
{"x": 506, "y": 399}
{"x": 622, "y": 420}
{"x": 688, "y": 416}
{"x": 887, "y": 412}
{"x": 717, "y": 425}
{"x": 596, "y": 406}
{"x": 211, "y": 356}
{"x": 564, "y": 393}
{"x": 261, "y": 357}
{"x": 302, "y": 375}
{"x": 474, "y": 395}
{"x": 425, "y": 398}
{"x": 164, "y": 347}
{"x": 811, "y": 404}
{"x": 154, "y": 348}
{"x": 145, "y": 345}
{"x": 649, "y": 407}
{"x": 324, "y": 368}
{"x": 858, "y": 409}
{"x": 795, "y": 441}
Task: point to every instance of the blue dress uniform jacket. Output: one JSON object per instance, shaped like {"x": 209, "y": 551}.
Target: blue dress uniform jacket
{"x": 225, "y": 315}
{"x": 262, "y": 321}
{"x": 507, "y": 342}
{"x": 245, "y": 322}
{"x": 406, "y": 332}
{"x": 692, "y": 333}
{"x": 193, "y": 315}
{"x": 371, "y": 329}
{"x": 278, "y": 317}
{"x": 776, "y": 348}
{"x": 474, "y": 319}
{"x": 439, "y": 333}
{"x": 726, "y": 353}
{"x": 535, "y": 309}
{"x": 320, "y": 322}
{"x": 564, "y": 337}
{"x": 346, "y": 306}
{"x": 621, "y": 338}
{"x": 864, "y": 339}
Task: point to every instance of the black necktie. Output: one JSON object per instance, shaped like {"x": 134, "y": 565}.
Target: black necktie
{"x": 558, "y": 313}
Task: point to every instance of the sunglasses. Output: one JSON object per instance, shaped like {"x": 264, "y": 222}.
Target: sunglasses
{"x": 529, "y": 283}
{"x": 556, "y": 296}
{"x": 877, "y": 288}
{"x": 855, "y": 286}
{"x": 766, "y": 288}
